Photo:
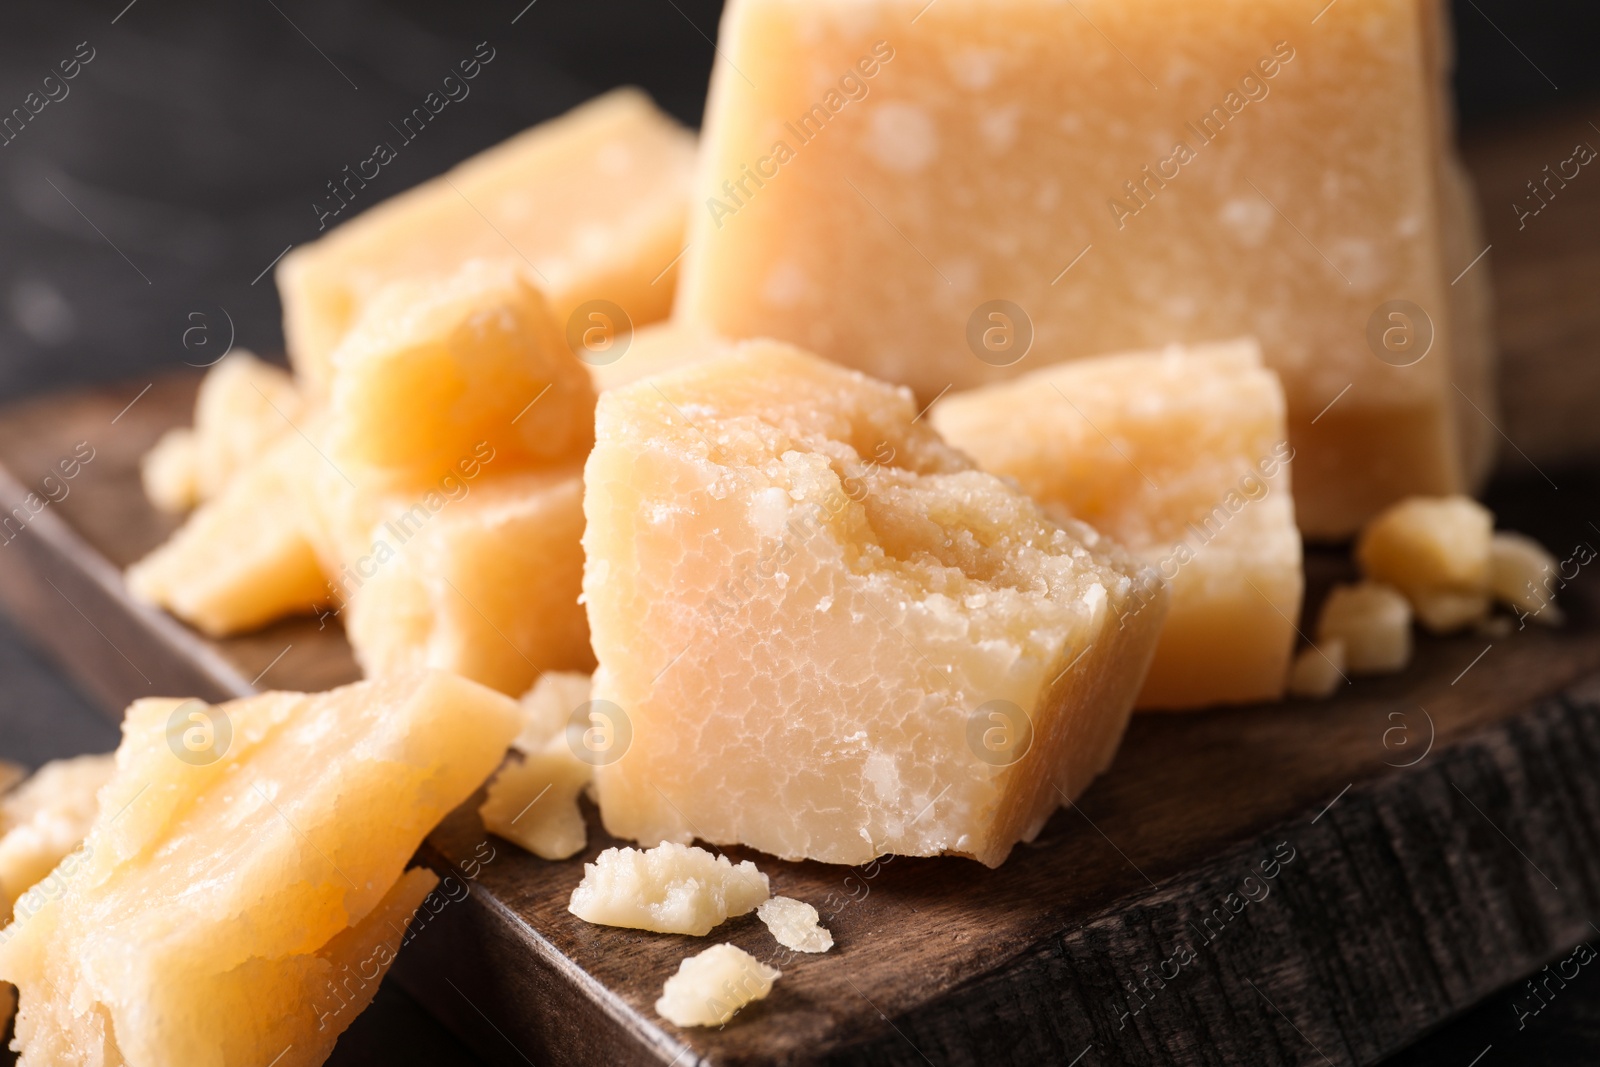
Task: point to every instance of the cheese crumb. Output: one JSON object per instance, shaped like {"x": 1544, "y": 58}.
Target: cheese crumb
{"x": 1374, "y": 623}
{"x": 1436, "y": 551}
{"x": 711, "y": 987}
{"x": 548, "y": 705}
{"x": 794, "y": 924}
{"x": 671, "y": 889}
{"x": 169, "y": 471}
{"x": 534, "y": 803}
{"x": 1447, "y": 612}
{"x": 1521, "y": 573}
{"x": 1317, "y": 671}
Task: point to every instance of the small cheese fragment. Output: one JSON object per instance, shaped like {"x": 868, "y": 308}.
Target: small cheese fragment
{"x": 436, "y": 372}
{"x": 243, "y": 406}
{"x": 44, "y": 819}
{"x": 1445, "y": 611}
{"x": 548, "y": 707}
{"x": 169, "y": 471}
{"x": 710, "y": 988}
{"x": 244, "y": 558}
{"x": 1429, "y": 544}
{"x": 794, "y": 924}
{"x": 671, "y": 889}
{"x": 1522, "y": 575}
{"x": 258, "y": 850}
{"x": 1182, "y": 456}
{"x": 591, "y": 203}
{"x": 769, "y": 531}
{"x": 486, "y": 587}
{"x": 1318, "y": 670}
{"x": 659, "y": 347}
{"x": 1374, "y": 624}
{"x": 534, "y": 802}
{"x": 932, "y": 195}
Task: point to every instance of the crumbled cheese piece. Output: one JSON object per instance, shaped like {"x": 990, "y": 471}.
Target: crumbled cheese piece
{"x": 169, "y": 472}
{"x": 794, "y": 924}
{"x": 710, "y": 988}
{"x": 1318, "y": 670}
{"x": 44, "y": 819}
{"x": 1447, "y": 612}
{"x": 1373, "y": 621}
{"x": 547, "y": 707}
{"x": 672, "y": 889}
{"x": 1429, "y": 544}
{"x": 534, "y": 803}
{"x": 1521, "y": 576}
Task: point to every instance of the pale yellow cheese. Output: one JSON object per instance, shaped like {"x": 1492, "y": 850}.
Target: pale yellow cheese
{"x": 1318, "y": 670}
{"x": 243, "y": 406}
{"x": 44, "y": 819}
{"x": 486, "y": 587}
{"x": 1523, "y": 575}
{"x": 1372, "y": 622}
{"x": 671, "y": 889}
{"x": 1121, "y": 175}
{"x": 591, "y": 205}
{"x": 241, "y": 895}
{"x": 534, "y": 801}
{"x": 1183, "y": 457}
{"x": 659, "y": 347}
{"x": 794, "y": 924}
{"x": 831, "y": 636}
{"x": 169, "y": 472}
{"x": 549, "y": 706}
{"x": 711, "y": 987}
{"x": 438, "y": 372}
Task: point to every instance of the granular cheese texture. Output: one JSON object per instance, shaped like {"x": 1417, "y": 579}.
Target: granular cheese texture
{"x": 794, "y": 924}
{"x": 534, "y": 801}
{"x": 1428, "y": 544}
{"x": 243, "y": 406}
{"x": 832, "y": 637}
{"x": 258, "y": 848}
{"x": 896, "y": 183}
{"x": 592, "y": 204}
{"x": 44, "y": 819}
{"x": 1182, "y": 456}
{"x": 671, "y": 889}
{"x": 1373, "y": 622}
{"x": 710, "y": 988}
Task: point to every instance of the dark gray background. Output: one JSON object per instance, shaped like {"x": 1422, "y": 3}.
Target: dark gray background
{"x": 189, "y": 151}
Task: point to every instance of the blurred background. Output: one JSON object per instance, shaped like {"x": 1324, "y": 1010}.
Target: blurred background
{"x": 140, "y": 215}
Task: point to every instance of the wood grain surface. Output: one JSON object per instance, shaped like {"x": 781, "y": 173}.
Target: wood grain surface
{"x": 1429, "y": 837}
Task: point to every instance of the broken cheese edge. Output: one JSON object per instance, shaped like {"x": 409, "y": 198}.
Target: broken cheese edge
{"x": 533, "y": 802}
{"x": 671, "y": 889}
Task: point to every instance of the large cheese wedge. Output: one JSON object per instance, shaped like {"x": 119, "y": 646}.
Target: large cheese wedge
{"x": 245, "y": 558}
{"x": 243, "y": 890}
{"x": 1183, "y": 457}
{"x": 948, "y": 194}
{"x": 824, "y": 634}
{"x": 435, "y": 373}
{"x": 487, "y": 587}
{"x": 592, "y": 204}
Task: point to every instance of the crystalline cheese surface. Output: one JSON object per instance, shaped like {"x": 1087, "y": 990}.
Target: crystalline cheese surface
{"x": 1182, "y": 456}
{"x": 592, "y": 203}
{"x": 831, "y": 637}
{"x": 672, "y": 889}
{"x": 244, "y": 857}
{"x": 44, "y": 819}
{"x": 711, "y": 987}
{"x": 1123, "y": 175}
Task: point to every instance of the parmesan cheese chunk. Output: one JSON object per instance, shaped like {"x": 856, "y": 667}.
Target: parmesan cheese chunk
{"x": 169, "y": 471}
{"x": 794, "y": 924}
{"x": 832, "y": 637}
{"x": 1523, "y": 575}
{"x": 671, "y": 889}
{"x": 592, "y": 204}
{"x": 1318, "y": 670}
{"x": 1120, "y": 176}
{"x": 548, "y": 706}
{"x": 1429, "y": 544}
{"x": 1182, "y": 456}
{"x": 245, "y": 898}
{"x": 243, "y": 406}
{"x": 534, "y": 803}
{"x": 44, "y": 819}
{"x": 1373, "y": 622}
{"x": 710, "y": 988}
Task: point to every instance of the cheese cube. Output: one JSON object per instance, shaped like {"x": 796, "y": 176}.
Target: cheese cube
{"x": 1372, "y": 622}
{"x": 243, "y": 559}
{"x": 534, "y": 803}
{"x": 1183, "y": 457}
{"x": 671, "y": 889}
{"x": 768, "y": 531}
{"x": 711, "y": 987}
{"x": 252, "y": 856}
{"x": 948, "y": 194}
{"x": 591, "y": 204}
{"x": 43, "y": 820}
{"x": 485, "y": 587}
{"x": 438, "y": 372}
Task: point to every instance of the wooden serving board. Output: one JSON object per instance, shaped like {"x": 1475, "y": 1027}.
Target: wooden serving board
{"x": 1293, "y": 884}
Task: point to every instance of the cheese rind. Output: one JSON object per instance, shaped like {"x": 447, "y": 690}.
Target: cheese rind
{"x": 1136, "y": 175}
{"x": 212, "y": 915}
{"x": 893, "y": 651}
{"x": 1182, "y": 456}
{"x": 671, "y": 889}
{"x": 591, "y": 204}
